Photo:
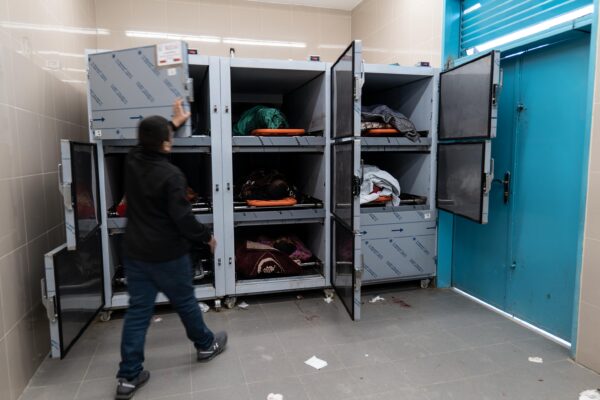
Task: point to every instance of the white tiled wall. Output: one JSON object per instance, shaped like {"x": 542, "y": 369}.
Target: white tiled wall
{"x": 588, "y": 340}
{"x": 324, "y": 32}
{"x": 399, "y": 31}
{"x": 42, "y": 99}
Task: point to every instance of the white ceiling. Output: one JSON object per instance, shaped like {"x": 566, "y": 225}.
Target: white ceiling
{"x": 346, "y": 5}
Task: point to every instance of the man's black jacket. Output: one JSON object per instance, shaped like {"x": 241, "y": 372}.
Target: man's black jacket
{"x": 160, "y": 222}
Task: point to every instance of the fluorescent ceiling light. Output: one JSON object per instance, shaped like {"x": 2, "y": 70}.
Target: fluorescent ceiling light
{"x": 173, "y": 36}
{"x": 537, "y": 28}
{"x": 68, "y": 69}
{"x": 270, "y": 43}
{"x": 54, "y": 28}
{"x": 333, "y": 46}
{"x": 72, "y": 81}
{"x": 59, "y": 53}
{"x": 472, "y": 8}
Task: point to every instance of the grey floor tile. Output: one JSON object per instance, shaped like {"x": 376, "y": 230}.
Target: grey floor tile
{"x": 103, "y": 366}
{"x": 53, "y": 371}
{"x": 83, "y": 348}
{"x": 267, "y": 366}
{"x": 507, "y": 356}
{"x": 101, "y": 389}
{"x": 301, "y": 339}
{"x": 237, "y": 392}
{"x": 468, "y": 389}
{"x": 542, "y": 347}
{"x": 253, "y": 312}
{"x": 223, "y": 371}
{"x": 439, "y": 342}
{"x": 361, "y": 353}
{"x": 166, "y": 382}
{"x": 259, "y": 344}
{"x": 249, "y": 327}
{"x": 335, "y": 385}
{"x": 379, "y": 378}
{"x": 164, "y": 357}
{"x": 167, "y": 337}
{"x": 446, "y": 367}
{"x": 290, "y": 325}
{"x": 397, "y": 394}
{"x": 289, "y": 388}
{"x": 419, "y": 325}
{"x": 422, "y": 344}
{"x": 493, "y": 333}
{"x": 402, "y": 347}
{"x": 186, "y": 396}
{"x": 55, "y": 392}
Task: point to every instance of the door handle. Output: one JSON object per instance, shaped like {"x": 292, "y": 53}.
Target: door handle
{"x": 506, "y": 184}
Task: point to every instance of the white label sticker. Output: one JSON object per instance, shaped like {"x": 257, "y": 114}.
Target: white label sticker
{"x": 172, "y": 71}
{"x": 98, "y": 133}
{"x": 427, "y": 215}
{"x": 169, "y": 54}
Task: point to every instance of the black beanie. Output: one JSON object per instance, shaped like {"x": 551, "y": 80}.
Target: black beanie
{"x": 152, "y": 132}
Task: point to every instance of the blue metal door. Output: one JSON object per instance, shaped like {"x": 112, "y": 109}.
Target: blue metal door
{"x": 549, "y": 148}
{"x": 524, "y": 260}
{"x": 480, "y": 252}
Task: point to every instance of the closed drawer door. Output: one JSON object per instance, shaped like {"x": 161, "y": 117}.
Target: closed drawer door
{"x": 398, "y": 230}
{"x": 399, "y": 258}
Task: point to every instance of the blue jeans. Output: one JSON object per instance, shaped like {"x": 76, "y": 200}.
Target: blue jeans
{"x": 144, "y": 281}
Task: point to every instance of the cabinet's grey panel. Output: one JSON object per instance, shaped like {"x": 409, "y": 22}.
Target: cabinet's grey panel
{"x": 382, "y": 218}
{"x": 126, "y": 86}
{"x": 399, "y": 258}
{"x": 278, "y": 217}
{"x": 400, "y": 230}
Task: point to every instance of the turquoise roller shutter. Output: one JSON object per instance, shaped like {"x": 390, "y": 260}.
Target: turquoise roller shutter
{"x": 486, "y": 20}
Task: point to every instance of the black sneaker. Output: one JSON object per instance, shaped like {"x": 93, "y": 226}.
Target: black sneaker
{"x": 215, "y": 349}
{"x": 126, "y": 389}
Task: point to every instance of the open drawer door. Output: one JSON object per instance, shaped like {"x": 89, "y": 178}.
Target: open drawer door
{"x": 73, "y": 291}
{"x": 346, "y": 263}
{"x": 79, "y": 186}
{"x": 467, "y": 123}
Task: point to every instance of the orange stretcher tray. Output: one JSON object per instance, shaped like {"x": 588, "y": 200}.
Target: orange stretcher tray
{"x": 278, "y": 132}
{"x": 290, "y": 201}
{"x": 382, "y": 199}
{"x": 382, "y": 132}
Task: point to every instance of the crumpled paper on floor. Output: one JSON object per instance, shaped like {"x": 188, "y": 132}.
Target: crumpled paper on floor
{"x": 536, "y": 360}
{"x": 204, "y": 307}
{"x": 243, "y": 305}
{"x": 590, "y": 395}
{"x": 273, "y": 396}
{"x": 316, "y": 362}
{"x": 376, "y": 299}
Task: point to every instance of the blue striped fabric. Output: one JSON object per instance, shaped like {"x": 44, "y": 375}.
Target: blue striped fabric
{"x": 497, "y": 18}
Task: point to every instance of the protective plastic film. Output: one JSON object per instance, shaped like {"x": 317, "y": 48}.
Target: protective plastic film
{"x": 85, "y": 189}
{"x": 79, "y": 288}
{"x": 343, "y": 277}
{"x": 466, "y": 100}
{"x": 343, "y": 171}
{"x": 342, "y": 86}
{"x": 461, "y": 179}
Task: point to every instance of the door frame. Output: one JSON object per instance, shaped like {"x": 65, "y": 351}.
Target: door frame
{"x": 450, "y": 50}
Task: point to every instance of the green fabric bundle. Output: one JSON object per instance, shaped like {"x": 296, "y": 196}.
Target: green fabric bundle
{"x": 259, "y": 117}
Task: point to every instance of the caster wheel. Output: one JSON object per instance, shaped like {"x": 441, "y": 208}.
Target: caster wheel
{"x": 425, "y": 283}
{"x": 230, "y": 302}
{"x": 218, "y": 305}
{"x": 105, "y": 316}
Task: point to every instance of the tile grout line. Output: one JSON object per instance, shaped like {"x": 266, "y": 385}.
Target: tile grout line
{"x": 87, "y": 370}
